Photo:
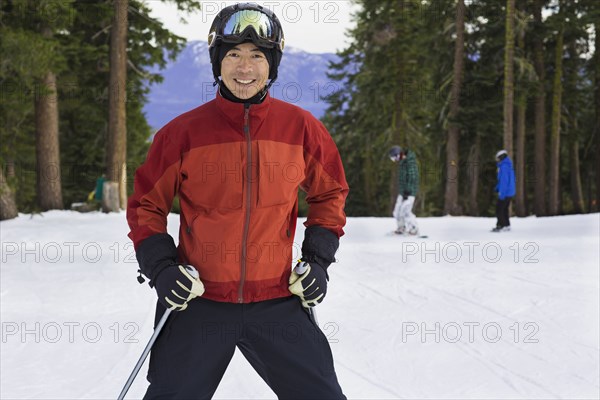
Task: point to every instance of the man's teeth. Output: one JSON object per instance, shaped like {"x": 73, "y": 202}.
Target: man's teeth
{"x": 245, "y": 82}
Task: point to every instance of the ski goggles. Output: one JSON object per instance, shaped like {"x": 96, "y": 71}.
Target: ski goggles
{"x": 235, "y": 28}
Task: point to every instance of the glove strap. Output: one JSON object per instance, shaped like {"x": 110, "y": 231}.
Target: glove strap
{"x": 313, "y": 259}
{"x": 140, "y": 278}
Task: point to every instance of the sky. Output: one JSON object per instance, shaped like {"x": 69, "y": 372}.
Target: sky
{"x": 311, "y": 25}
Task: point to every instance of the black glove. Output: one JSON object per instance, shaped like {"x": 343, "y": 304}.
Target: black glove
{"x": 157, "y": 257}
{"x": 405, "y": 195}
{"x": 318, "y": 250}
{"x": 176, "y": 286}
{"x": 311, "y": 286}
{"x": 319, "y": 246}
{"x": 156, "y": 253}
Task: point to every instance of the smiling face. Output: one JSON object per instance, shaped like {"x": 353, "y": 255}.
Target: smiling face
{"x": 245, "y": 70}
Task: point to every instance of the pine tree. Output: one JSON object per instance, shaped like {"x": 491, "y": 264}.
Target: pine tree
{"x": 366, "y": 116}
{"x": 451, "y": 205}
{"x": 596, "y": 59}
{"x": 540, "y": 112}
{"x": 116, "y": 145}
{"x": 557, "y": 87}
{"x": 81, "y": 54}
{"x": 524, "y": 86}
{"x": 509, "y": 77}
{"x": 47, "y": 144}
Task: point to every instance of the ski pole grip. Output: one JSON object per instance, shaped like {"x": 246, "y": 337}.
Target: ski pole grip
{"x": 301, "y": 267}
{"x": 192, "y": 271}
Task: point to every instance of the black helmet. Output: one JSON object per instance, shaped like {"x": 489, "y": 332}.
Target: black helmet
{"x": 242, "y": 22}
{"x": 394, "y": 153}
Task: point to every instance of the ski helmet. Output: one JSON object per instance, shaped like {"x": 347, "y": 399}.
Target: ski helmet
{"x": 394, "y": 153}
{"x": 501, "y": 155}
{"x": 246, "y": 22}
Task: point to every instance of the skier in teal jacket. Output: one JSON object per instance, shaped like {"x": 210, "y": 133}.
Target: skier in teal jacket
{"x": 408, "y": 175}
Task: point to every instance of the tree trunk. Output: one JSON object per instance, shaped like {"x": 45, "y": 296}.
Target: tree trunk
{"x": 554, "y": 184}
{"x": 116, "y": 149}
{"x": 597, "y": 100}
{"x": 474, "y": 172}
{"x": 509, "y": 55}
{"x": 394, "y": 190}
{"x": 573, "y": 132}
{"x": 8, "y": 206}
{"x": 520, "y": 197}
{"x": 576, "y": 187}
{"x": 110, "y": 197}
{"x": 451, "y": 204}
{"x": 540, "y": 116}
{"x": 398, "y": 133}
{"x": 398, "y": 118}
{"x": 520, "y": 207}
{"x": 47, "y": 144}
{"x": 368, "y": 172}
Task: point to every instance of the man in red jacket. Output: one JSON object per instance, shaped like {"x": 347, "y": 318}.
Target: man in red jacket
{"x": 236, "y": 164}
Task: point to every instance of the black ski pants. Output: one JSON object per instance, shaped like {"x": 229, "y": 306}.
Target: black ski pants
{"x": 502, "y": 212}
{"x": 277, "y": 337}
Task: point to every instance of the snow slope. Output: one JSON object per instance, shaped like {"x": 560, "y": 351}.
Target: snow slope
{"x": 465, "y": 313}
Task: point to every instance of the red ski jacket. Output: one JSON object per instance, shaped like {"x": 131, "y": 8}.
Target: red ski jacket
{"x": 237, "y": 171}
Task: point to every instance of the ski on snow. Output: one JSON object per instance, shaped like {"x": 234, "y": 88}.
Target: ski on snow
{"x": 392, "y": 233}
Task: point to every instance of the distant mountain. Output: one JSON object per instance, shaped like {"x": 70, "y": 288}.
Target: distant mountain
{"x": 188, "y": 83}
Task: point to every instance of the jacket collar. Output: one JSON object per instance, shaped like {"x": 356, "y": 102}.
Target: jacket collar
{"x": 506, "y": 160}
{"x": 235, "y": 111}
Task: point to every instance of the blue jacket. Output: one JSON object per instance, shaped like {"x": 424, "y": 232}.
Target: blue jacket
{"x": 506, "y": 179}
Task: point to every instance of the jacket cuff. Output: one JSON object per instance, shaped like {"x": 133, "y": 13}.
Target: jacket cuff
{"x": 319, "y": 246}
{"x": 155, "y": 253}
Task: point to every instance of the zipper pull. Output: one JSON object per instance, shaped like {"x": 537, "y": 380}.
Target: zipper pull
{"x": 246, "y": 116}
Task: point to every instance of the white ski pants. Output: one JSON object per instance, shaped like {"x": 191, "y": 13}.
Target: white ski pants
{"x": 407, "y": 221}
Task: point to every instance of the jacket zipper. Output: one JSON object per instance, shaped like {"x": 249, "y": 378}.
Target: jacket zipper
{"x": 248, "y": 201}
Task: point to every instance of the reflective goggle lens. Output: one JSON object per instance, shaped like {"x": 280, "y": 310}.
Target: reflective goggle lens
{"x": 239, "y": 21}
{"x": 234, "y": 25}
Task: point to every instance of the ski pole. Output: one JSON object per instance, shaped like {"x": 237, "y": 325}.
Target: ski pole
{"x": 140, "y": 362}
{"x": 148, "y": 347}
{"x": 300, "y": 269}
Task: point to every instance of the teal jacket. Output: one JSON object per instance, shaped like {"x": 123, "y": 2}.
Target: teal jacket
{"x": 409, "y": 174}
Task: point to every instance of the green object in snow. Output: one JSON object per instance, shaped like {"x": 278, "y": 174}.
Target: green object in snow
{"x": 99, "y": 186}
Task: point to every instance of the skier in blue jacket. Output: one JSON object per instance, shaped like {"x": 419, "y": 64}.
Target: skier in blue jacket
{"x": 505, "y": 189}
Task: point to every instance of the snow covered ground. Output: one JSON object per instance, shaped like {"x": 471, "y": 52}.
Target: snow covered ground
{"x": 465, "y": 313}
